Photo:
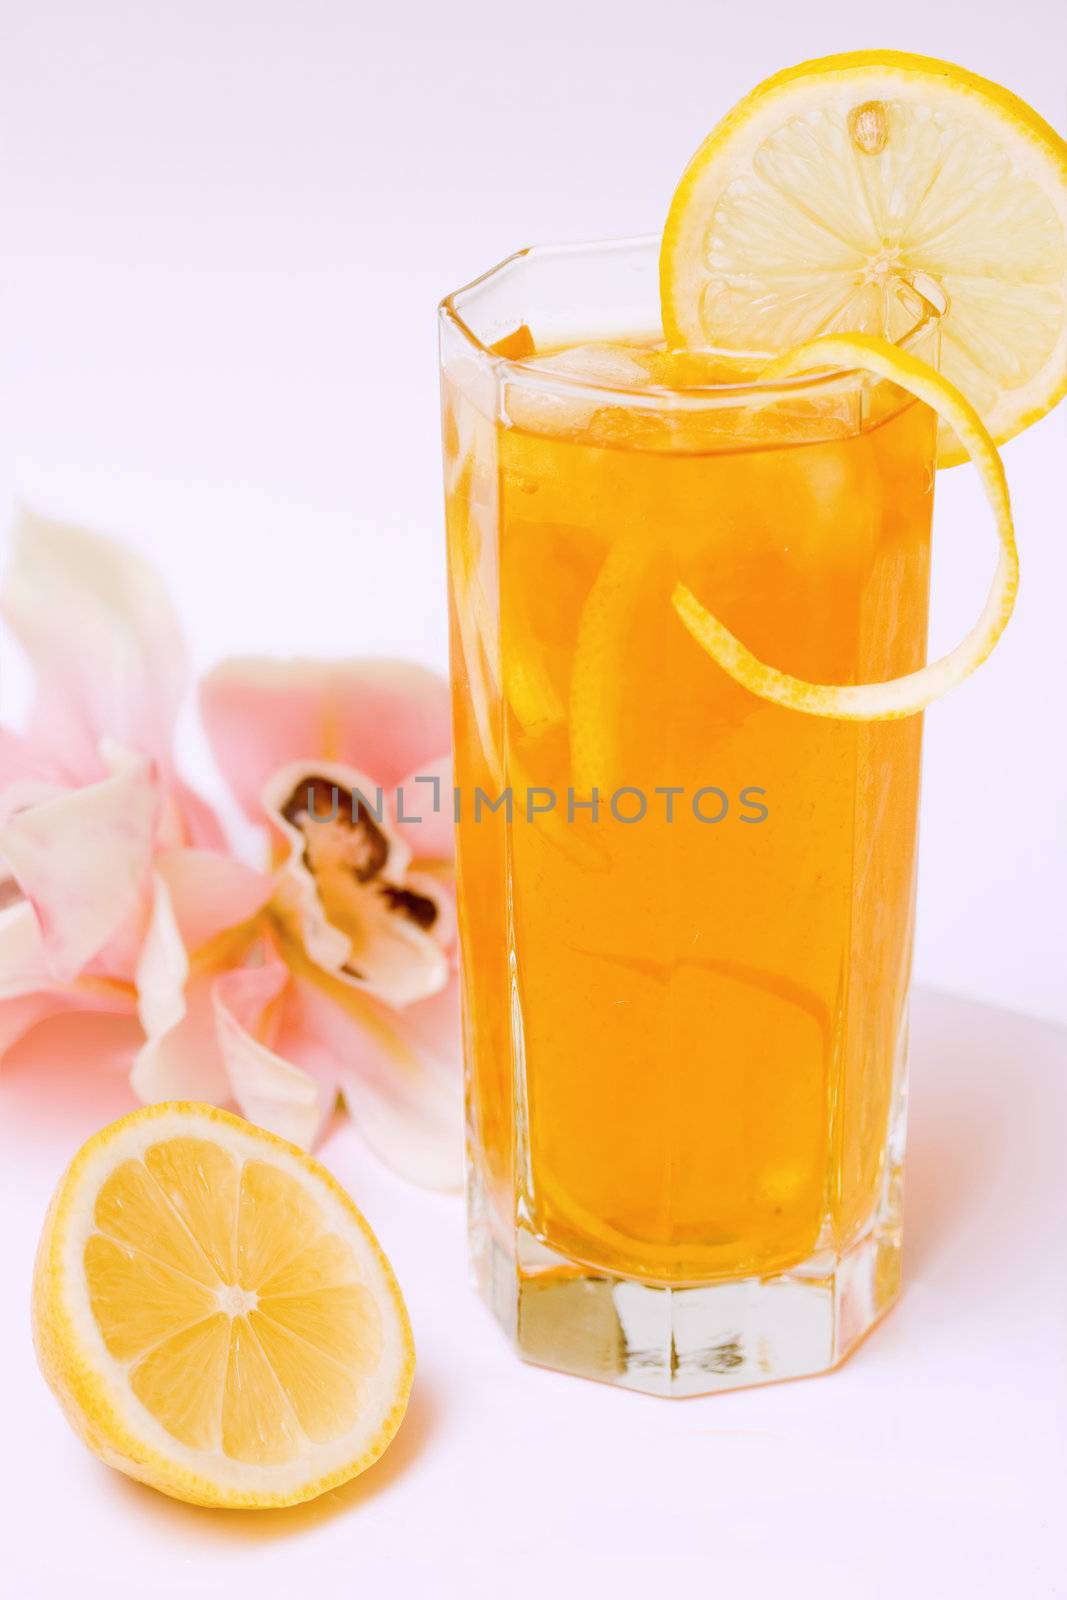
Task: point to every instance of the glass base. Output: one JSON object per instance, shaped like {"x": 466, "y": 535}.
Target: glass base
{"x": 692, "y": 1340}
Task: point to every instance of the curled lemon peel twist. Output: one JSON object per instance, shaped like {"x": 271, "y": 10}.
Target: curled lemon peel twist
{"x": 907, "y": 695}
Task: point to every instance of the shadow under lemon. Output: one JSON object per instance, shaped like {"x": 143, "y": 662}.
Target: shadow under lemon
{"x": 236, "y": 1527}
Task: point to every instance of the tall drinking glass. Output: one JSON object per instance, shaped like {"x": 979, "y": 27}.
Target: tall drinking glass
{"x": 686, "y": 913}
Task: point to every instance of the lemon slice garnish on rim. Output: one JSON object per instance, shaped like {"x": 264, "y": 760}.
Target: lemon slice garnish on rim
{"x": 837, "y": 181}
{"x": 214, "y": 1314}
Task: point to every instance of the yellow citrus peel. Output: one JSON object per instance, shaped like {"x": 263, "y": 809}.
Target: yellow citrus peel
{"x": 909, "y": 694}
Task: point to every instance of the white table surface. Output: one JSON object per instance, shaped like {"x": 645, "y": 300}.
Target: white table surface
{"x": 931, "y": 1465}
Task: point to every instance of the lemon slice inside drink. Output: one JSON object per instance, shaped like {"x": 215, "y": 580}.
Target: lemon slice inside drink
{"x": 836, "y": 182}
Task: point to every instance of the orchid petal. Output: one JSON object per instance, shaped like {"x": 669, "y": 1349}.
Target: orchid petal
{"x": 184, "y": 1062}
{"x": 24, "y": 969}
{"x": 17, "y": 1017}
{"x": 382, "y": 716}
{"x": 422, "y": 807}
{"x": 163, "y": 966}
{"x": 22, "y": 793}
{"x": 400, "y": 1073}
{"x": 211, "y": 893}
{"x": 344, "y": 888}
{"x": 199, "y": 826}
{"x": 196, "y": 897}
{"x": 83, "y": 860}
{"x": 27, "y": 776}
{"x": 22, "y": 759}
{"x": 270, "y": 1090}
{"x": 180, "y": 1059}
{"x": 28, "y": 993}
{"x": 22, "y": 960}
{"x": 98, "y": 626}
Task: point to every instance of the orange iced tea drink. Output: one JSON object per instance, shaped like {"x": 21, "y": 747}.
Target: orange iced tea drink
{"x": 689, "y": 489}
{"x": 686, "y": 912}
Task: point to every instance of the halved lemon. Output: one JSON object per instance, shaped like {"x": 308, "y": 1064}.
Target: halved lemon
{"x": 835, "y": 183}
{"x": 214, "y": 1314}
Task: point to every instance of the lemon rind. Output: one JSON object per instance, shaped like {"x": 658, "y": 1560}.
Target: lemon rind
{"x": 905, "y": 696}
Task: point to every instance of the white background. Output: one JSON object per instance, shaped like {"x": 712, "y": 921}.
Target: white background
{"x": 224, "y": 226}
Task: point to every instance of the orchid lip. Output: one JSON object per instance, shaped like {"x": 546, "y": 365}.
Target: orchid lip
{"x": 10, "y": 893}
{"x": 344, "y": 885}
{"x": 364, "y": 838}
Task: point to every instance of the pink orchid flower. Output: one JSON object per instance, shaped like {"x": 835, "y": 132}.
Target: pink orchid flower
{"x": 346, "y": 984}
{"x": 89, "y": 794}
{"x": 333, "y": 972}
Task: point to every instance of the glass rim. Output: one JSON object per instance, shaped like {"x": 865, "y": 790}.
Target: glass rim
{"x": 926, "y": 312}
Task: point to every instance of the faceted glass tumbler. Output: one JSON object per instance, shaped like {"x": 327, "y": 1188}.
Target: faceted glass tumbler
{"x": 685, "y": 913}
